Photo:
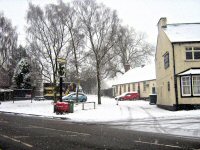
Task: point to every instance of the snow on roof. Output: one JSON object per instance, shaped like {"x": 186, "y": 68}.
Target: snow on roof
{"x": 191, "y": 71}
{"x": 137, "y": 74}
{"x": 183, "y": 32}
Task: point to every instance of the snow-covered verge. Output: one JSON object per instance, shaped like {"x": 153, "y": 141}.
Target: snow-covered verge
{"x": 134, "y": 112}
{"x": 107, "y": 111}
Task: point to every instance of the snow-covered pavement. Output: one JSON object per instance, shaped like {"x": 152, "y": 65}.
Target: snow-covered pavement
{"x": 130, "y": 115}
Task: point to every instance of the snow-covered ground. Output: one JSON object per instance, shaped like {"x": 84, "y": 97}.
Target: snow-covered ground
{"x": 131, "y": 115}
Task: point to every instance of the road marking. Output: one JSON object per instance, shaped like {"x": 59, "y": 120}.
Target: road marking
{"x": 17, "y": 137}
{"x": 15, "y": 140}
{"x": 84, "y": 134}
{"x": 173, "y": 146}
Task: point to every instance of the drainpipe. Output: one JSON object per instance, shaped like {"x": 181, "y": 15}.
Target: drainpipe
{"x": 175, "y": 78}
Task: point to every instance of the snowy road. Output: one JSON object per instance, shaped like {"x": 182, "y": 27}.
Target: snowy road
{"x": 29, "y": 132}
{"x": 188, "y": 127}
{"x": 178, "y": 125}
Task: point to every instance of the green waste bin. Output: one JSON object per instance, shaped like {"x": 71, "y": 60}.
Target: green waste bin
{"x": 152, "y": 99}
{"x": 71, "y": 106}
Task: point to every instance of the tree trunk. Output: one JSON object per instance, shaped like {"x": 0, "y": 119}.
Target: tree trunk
{"x": 54, "y": 91}
{"x": 77, "y": 89}
{"x": 54, "y": 86}
{"x": 76, "y": 63}
{"x": 98, "y": 84}
{"x": 77, "y": 73}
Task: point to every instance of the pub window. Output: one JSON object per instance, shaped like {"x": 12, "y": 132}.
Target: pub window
{"x": 186, "y": 86}
{"x": 196, "y": 85}
{"x": 166, "y": 60}
{"x": 192, "y": 53}
{"x": 196, "y": 52}
{"x": 189, "y": 53}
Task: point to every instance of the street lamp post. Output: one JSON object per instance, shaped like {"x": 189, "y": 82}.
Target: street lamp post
{"x": 61, "y": 74}
{"x": 61, "y": 88}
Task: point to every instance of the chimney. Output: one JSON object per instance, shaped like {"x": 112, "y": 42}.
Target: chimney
{"x": 162, "y": 23}
{"x": 127, "y": 67}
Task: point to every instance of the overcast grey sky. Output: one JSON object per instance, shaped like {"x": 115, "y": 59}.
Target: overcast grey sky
{"x": 142, "y": 15}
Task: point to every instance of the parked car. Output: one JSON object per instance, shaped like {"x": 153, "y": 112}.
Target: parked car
{"x": 72, "y": 96}
{"x": 128, "y": 96}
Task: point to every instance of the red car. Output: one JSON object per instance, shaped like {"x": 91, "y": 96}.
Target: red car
{"x": 128, "y": 96}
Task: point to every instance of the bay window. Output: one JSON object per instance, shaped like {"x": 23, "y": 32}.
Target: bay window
{"x": 190, "y": 85}
{"x": 196, "y": 85}
{"x": 186, "y": 86}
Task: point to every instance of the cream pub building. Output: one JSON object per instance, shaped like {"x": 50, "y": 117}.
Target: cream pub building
{"x": 177, "y": 62}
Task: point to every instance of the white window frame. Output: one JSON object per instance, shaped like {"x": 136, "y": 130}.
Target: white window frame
{"x": 189, "y": 85}
{"x": 193, "y": 51}
{"x": 196, "y": 50}
{"x": 198, "y": 85}
{"x": 188, "y": 50}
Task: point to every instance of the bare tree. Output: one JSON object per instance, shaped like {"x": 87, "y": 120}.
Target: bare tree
{"x": 48, "y": 38}
{"x": 100, "y": 26}
{"x": 8, "y": 46}
{"x": 76, "y": 42}
{"x": 132, "y": 48}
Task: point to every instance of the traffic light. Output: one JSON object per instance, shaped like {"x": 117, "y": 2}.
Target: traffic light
{"x": 61, "y": 69}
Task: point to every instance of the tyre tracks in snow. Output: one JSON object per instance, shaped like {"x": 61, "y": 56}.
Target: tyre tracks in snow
{"x": 157, "y": 126}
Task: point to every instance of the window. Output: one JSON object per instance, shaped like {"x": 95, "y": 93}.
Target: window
{"x": 192, "y": 53}
{"x": 166, "y": 60}
{"x": 196, "y": 52}
{"x": 153, "y": 90}
{"x": 186, "y": 86}
{"x": 128, "y": 87}
{"x": 124, "y": 87}
{"x": 133, "y": 87}
{"x": 188, "y": 53}
{"x": 168, "y": 86}
{"x": 144, "y": 86}
{"x": 116, "y": 89}
{"x": 190, "y": 83}
{"x": 196, "y": 85}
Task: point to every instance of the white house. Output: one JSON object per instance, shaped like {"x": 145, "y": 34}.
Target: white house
{"x": 141, "y": 79}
